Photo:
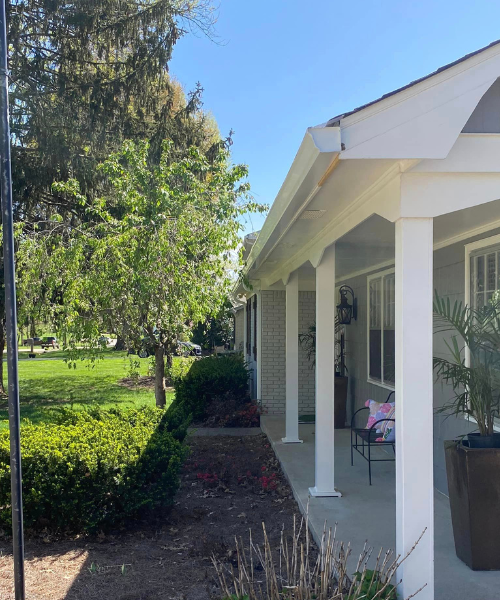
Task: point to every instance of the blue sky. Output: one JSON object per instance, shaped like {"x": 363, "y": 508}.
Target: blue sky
{"x": 280, "y": 66}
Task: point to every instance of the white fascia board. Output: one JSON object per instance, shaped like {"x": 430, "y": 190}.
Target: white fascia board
{"x": 424, "y": 120}
{"x": 471, "y": 153}
{"x": 317, "y": 140}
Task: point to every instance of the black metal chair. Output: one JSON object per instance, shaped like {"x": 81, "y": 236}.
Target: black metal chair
{"x": 366, "y": 438}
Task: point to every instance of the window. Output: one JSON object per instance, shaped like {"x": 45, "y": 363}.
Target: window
{"x": 482, "y": 279}
{"x": 484, "y": 271}
{"x": 381, "y": 328}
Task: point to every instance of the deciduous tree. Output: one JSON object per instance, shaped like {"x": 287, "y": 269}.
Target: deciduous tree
{"x": 152, "y": 256}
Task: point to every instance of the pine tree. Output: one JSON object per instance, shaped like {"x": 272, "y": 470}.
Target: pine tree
{"x": 85, "y": 76}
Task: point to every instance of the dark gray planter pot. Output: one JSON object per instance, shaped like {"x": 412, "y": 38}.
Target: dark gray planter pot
{"x": 474, "y": 488}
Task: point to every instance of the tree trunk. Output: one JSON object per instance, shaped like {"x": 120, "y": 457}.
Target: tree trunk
{"x": 120, "y": 344}
{"x": 160, "y": 376}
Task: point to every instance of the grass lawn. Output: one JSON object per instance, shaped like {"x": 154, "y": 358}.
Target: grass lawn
{"x": 45, "y": 384}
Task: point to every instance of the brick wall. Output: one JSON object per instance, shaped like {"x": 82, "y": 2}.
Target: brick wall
{"x": 273, "y": 351}
{"x": 274, "y": 355}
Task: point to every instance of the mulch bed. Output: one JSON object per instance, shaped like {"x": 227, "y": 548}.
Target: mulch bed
{"x": 144, "y": 382}
{"x": 229, "y": 484}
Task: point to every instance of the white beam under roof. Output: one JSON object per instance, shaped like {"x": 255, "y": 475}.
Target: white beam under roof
{"x": 318, "y": 148}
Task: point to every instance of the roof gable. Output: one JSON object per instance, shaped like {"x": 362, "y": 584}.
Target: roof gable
{"x": 336, "y": 120}
{"x": 425, "y": 119}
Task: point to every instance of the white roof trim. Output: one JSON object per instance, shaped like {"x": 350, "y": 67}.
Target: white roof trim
{"x": 316, "y": 141}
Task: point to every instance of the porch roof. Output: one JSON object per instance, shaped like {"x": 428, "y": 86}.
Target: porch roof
{"x": 351, "y": 169}
{"x": 334, "y": 120}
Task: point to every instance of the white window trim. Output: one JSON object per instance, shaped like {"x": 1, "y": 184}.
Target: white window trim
{"x": 470, "y": 249}
{"x": 378, "y": 275}
{"x": 494, "y": 240}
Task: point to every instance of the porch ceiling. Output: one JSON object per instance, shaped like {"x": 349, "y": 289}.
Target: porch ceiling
{"x": 371, "y": 244}
{"x": 349, "y": 180}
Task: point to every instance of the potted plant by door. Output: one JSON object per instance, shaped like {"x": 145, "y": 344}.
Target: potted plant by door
{"x": 308, "y": 342}
{"x": 472, "y": 368}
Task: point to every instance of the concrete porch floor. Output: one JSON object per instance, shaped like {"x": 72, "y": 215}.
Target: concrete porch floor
{"x": 368, "y": 513}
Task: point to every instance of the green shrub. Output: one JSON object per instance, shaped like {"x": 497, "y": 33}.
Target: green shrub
{"x": 210, "y": 378}
{"x": 94, "y": 469}
{"x": 181, "y": 366}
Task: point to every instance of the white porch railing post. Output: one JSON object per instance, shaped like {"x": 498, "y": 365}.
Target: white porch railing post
{"x": 414, "y": 405}
{"x": 292, "y": 360}
{"x": 325, "y": 377}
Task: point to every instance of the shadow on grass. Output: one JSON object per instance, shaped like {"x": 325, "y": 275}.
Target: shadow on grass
{"x": 37, "y": 401}
{"x": 48, "y": 385}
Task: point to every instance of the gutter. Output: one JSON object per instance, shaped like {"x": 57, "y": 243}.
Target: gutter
{"x": 316, "y": 141}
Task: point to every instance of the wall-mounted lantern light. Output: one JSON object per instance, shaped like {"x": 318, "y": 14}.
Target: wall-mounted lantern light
{"x": 345, "y": 310}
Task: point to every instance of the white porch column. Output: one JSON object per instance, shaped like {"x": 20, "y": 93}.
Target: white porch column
{"x": 325, "y": 376}
{"x": 414, "y": 405}
{"x": 292, "y": 359}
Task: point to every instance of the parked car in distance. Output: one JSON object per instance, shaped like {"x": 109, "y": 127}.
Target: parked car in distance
{"x": 189, "y": 349}
{"x": 49, "y": 341}
{"x": 36, "y": 341}
{"x": 104, "y": 340}
{"x": 145, "y": 350}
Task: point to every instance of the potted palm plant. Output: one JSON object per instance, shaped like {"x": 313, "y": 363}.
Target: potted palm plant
{"x": 472, "y": 369}
{"x": 308, "y": 342}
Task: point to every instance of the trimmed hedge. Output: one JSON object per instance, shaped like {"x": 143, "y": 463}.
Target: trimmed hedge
{"x": 210, "y": 378}
{"x": 94, "y": 469}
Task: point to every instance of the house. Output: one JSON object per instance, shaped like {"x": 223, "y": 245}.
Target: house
{"x": 395, "y": 199}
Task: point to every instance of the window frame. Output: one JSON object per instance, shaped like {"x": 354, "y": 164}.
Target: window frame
{"x": 478, "y": 247}
{"x": 378, "y": 275}
{"x": 474, "y": 249}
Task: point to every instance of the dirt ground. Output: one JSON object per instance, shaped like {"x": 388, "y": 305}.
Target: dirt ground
{"x": 229, "y": 484}
{"x": 144, "y": 382}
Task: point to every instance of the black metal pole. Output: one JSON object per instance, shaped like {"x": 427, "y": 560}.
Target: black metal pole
{"x": 11, "y": 315}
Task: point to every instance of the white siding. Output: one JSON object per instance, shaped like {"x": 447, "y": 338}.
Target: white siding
{"x": 449, "y": 281}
